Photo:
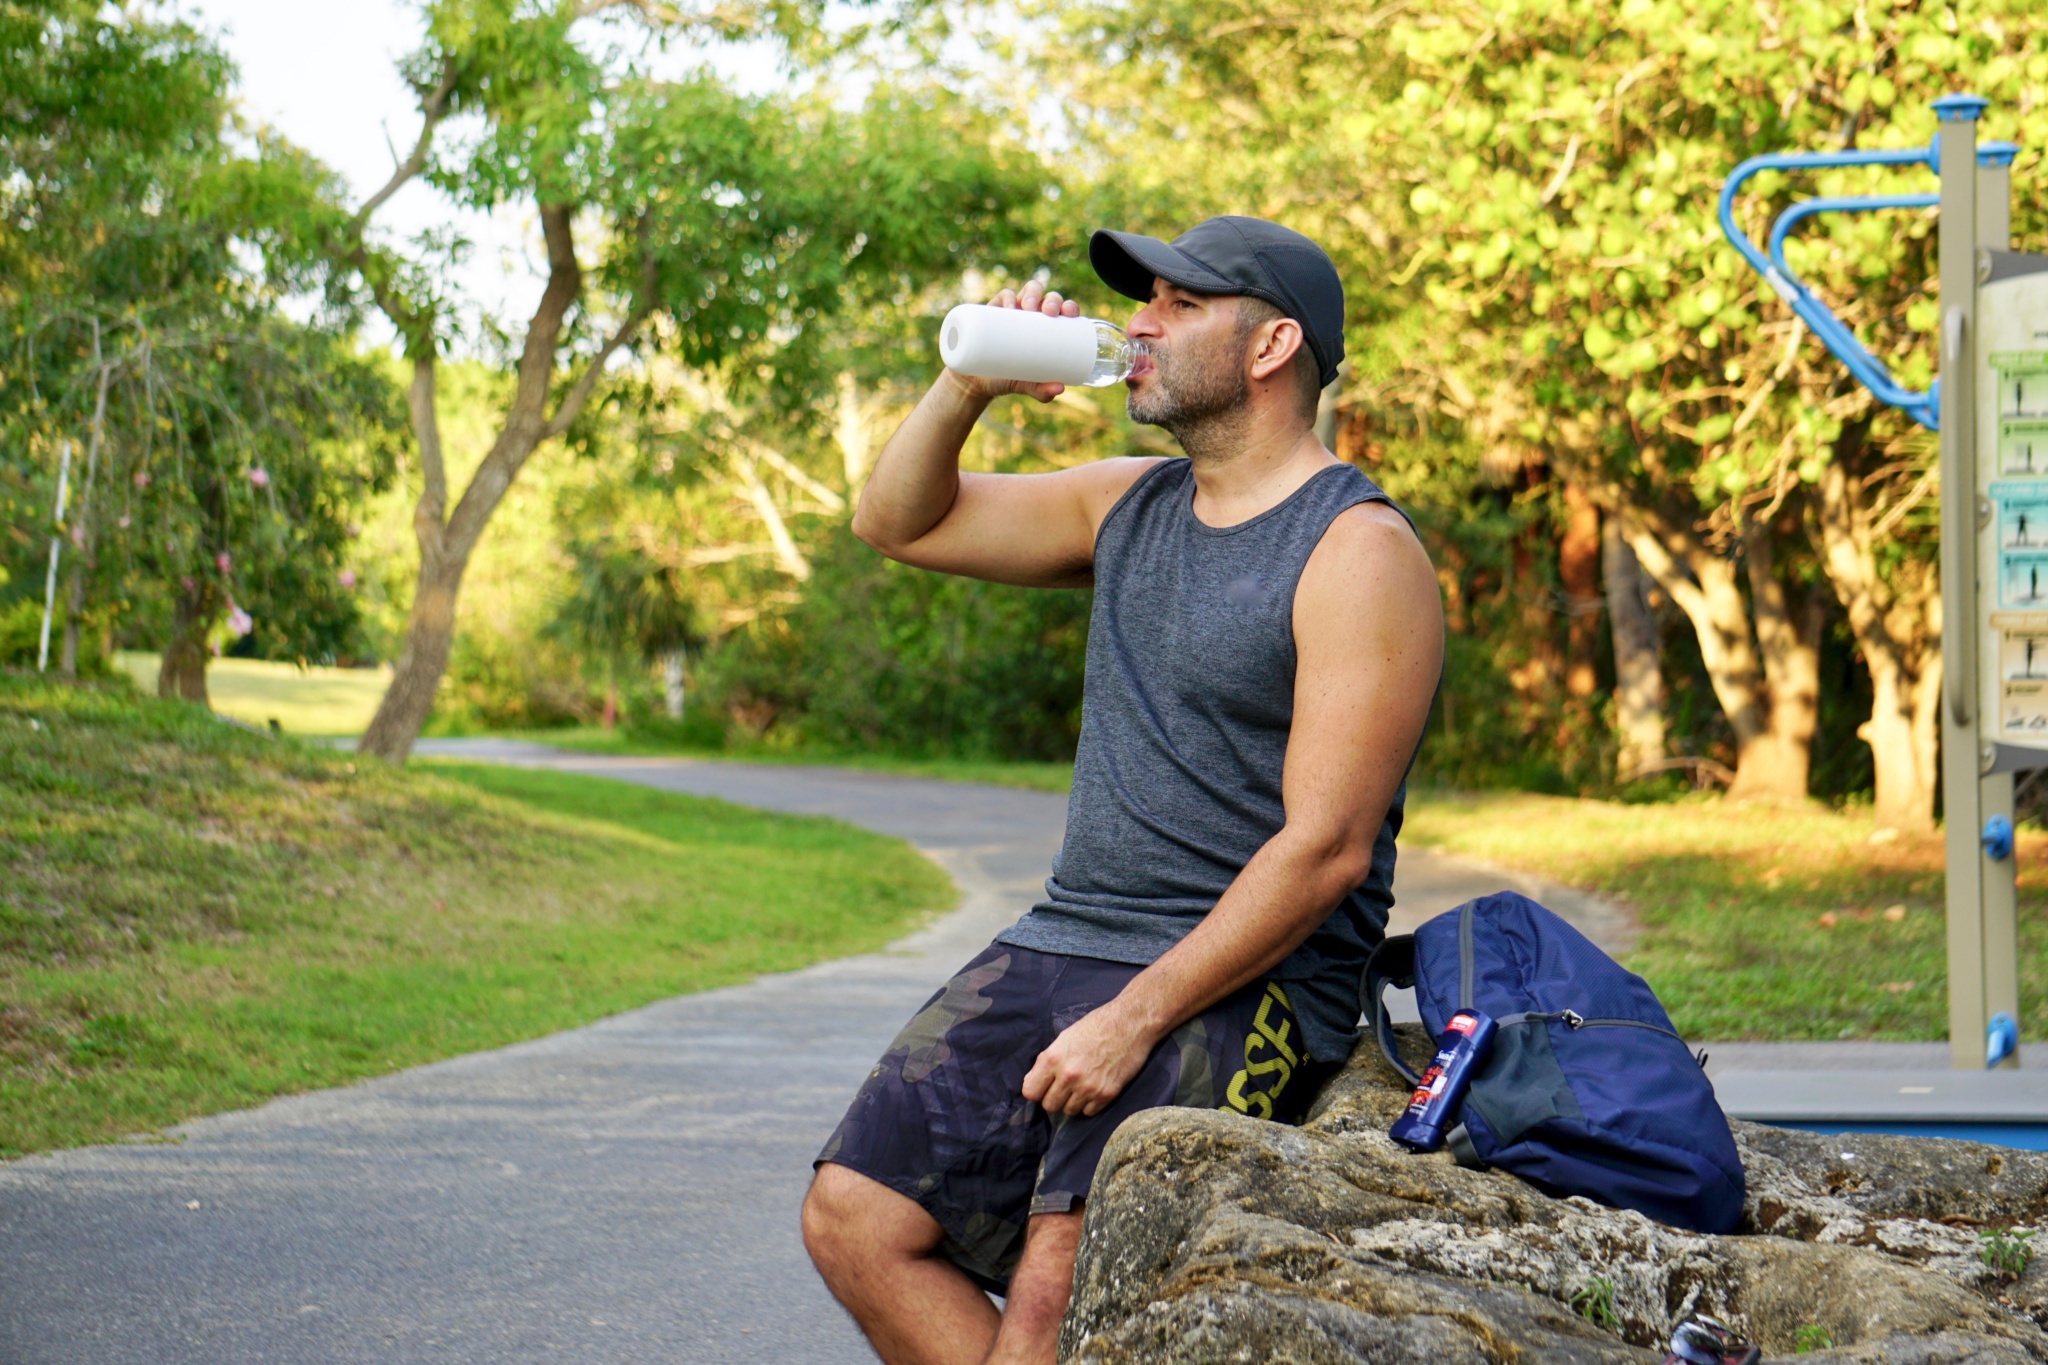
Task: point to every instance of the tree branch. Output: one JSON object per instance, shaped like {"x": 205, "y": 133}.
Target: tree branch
{"x": 580, "y": 390}
{"x": 655, "y": 12}
{"x": 432, "y": 110}
{"x": 525, "y": 418}
{"x": 429, "y": 516}
{"x": 786, "y": 553}
{"x": 775, "y": 460}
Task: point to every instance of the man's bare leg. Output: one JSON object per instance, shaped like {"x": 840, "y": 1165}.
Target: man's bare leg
{"x": 878, "y": 1252}
{"x": 1038, "y": 1292}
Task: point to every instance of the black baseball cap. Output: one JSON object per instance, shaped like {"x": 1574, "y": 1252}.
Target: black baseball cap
{"x": 1234, "y": 255}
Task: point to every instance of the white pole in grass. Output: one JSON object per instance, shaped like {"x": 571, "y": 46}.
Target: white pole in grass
{"x": 56, "y": 540}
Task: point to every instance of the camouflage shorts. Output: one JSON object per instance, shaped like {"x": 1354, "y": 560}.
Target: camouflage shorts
{"x": 941, "y": 1119}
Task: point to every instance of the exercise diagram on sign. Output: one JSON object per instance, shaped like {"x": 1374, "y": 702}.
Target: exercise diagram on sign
{"x": 2022, "y": 543}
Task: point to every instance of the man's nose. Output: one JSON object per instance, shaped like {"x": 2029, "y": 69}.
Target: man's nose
{"x": 1144, "y": 323}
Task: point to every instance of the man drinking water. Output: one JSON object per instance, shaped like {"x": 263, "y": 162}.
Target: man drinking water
{"x": 1265, "y": 644}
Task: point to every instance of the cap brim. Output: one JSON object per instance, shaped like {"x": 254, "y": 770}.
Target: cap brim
{"x": 1129, "y": 262}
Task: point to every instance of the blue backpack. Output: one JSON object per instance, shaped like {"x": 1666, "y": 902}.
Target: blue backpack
{"x": 1588, "y": 1090}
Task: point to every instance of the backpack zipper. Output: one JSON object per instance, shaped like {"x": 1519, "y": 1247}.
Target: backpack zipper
{"x": 1575, "y": 1021}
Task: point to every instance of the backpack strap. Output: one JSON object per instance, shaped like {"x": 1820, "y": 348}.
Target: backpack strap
{"x": 1459, "y": 1143}
{"x": 1391, "y": 964}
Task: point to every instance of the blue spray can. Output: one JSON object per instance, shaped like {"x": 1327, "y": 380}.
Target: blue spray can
{"x": 1433, "y": 1109}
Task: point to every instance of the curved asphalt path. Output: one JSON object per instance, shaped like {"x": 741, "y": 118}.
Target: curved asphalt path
{"x": 625, "y": 1192}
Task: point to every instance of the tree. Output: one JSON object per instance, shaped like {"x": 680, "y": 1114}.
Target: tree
{"x": 722, "y": 225}
{"x": 155, "y": 241}
{"x": 1540, "y": 181}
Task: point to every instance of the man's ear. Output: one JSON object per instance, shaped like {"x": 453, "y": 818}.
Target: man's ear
{"x": 1275, "y": 345}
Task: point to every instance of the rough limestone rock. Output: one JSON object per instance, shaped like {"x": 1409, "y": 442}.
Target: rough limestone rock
{"x": 1210, "y": 1236}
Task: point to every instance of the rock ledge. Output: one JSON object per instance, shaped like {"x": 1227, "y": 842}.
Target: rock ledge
{"x": 1214, "y": 1237}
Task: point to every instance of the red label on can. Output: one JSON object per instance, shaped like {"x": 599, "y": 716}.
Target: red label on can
{"x": 1462, "y": 1023}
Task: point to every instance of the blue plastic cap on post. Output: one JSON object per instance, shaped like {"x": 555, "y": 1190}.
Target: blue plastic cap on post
{"x": 1997, "y": 153}
{"x": 1997, "y": 838}
{"x": 2001, "y": 1039}
{"x": 1960, "y": 108}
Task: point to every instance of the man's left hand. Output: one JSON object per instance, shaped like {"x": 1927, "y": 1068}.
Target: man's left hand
{"x": 1088, "y": 1065}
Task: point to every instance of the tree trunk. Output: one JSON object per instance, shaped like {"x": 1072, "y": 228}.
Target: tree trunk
{"x": 1906, "y": 775}
{"x": 1772, "y": 753}
{"x": 672, "y": 683}
{"x": 447, "y": 539}
{"x": 74, "y": 603}
{"x": 852, "y": 433}
{"x": 1578, "y": 569}
{"x": 1788, "y": 625}
{"x": 182, "y": 674}
{"x": 429, "y": 637}
{"x": 83, "y": 540}
{"x": 1638, "y": 673}
{"x": 1703, "y": 585}
{"x": 1897, "y": 634}
{"x": 1765, "y": 675}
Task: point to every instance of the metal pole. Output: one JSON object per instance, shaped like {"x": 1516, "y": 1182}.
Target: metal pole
{"x": 56, "y": 540}
{"x": 1961, "y": 770}
{"x": 1994, "y": 195}
{"x": 2000, "y": 905}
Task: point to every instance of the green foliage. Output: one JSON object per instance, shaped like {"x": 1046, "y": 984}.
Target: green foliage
{"x": 21, "y": 621}
{"x": 2006, "y": 1251}
{"x": 218, "y": 446}
{"x": 197, "y": 918}
{"x": 740, "y": 221}
{"x": 882, "y": 656}
{"x": 624, "y": 606}
{"x": 1594, "y": 1301}
{"x": 1810, "y": 1338}
{"x": 1521, "y": 200}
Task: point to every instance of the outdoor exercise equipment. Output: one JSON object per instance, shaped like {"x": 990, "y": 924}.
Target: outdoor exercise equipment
{"x": 1991, "y": 407}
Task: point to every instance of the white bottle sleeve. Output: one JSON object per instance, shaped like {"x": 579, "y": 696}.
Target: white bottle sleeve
{"x": 1009, "y": 343}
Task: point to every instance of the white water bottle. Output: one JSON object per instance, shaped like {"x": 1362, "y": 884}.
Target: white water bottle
{"x": 1010, "y": 343}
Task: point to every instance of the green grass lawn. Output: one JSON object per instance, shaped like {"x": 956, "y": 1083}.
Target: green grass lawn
{"x": 1731, "y": 901}
{"x": 304, "y": 701}
{"x": 1757, "y": 922}
{"x": 194, "y": 918}
{"x": 1036, "y": 776}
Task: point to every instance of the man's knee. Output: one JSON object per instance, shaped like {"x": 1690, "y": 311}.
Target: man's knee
{"x": 831, "y": 1213}
{"x": 849, "y": 1220}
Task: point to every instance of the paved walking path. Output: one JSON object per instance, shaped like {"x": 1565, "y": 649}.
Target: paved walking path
{"x": 625, "y": 1192}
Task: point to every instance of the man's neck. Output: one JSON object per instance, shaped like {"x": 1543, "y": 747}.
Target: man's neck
{"x": 1244, "y": 466}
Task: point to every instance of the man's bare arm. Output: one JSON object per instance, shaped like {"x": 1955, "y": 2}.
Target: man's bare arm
{"x": 1034, "y": 529}
{"x": 1368, "y": 629}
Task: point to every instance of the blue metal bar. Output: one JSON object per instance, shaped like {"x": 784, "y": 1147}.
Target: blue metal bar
{"x": 1807, "y": 208}
{"x": 1808, "y": 161}
{"x": 1867, "y": 368}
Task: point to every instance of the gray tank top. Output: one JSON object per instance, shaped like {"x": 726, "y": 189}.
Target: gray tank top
{"x": 1185, "y": 713}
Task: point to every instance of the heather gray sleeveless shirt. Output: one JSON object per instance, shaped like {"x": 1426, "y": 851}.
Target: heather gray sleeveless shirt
{"x": 1186, "y": 707}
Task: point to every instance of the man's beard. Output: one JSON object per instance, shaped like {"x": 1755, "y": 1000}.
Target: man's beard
{"x": 1190, "y": 392}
